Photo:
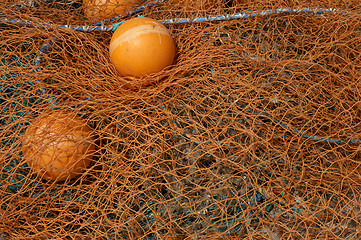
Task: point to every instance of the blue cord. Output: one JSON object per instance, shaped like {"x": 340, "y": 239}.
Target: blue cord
{"x": 249, "y": 14}
{"x": 97, "y": 26}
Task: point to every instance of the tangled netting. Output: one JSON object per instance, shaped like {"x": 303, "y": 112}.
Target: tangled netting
{"x": 254, "y": 132}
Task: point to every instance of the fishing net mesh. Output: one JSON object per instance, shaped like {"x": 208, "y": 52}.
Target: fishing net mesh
{"x": 253, "y": 133}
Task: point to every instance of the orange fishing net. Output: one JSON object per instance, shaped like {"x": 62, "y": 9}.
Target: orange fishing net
{"x": 253, "y": 133}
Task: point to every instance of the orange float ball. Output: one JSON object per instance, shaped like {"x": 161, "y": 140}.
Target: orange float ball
{"x": 58, "y": 145}
{"x": 141, "y": 46}
{"x": 98, "y": 10}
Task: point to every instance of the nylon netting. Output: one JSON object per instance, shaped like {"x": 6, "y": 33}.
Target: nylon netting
{"x": 253, "y": 133}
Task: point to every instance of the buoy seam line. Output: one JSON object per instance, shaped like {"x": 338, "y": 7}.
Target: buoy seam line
{"x": 114, "y": 26}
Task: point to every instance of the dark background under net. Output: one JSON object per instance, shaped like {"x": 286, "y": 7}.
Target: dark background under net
{"x": 253, "y": 133}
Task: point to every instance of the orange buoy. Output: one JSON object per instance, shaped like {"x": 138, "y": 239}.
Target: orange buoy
{"x": 58, "y": 145}
{"x": 141, "y": 46}
{"x": 98, "y": 10}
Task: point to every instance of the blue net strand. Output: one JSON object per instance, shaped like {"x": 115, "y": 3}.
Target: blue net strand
{"x": 249, "y": 14}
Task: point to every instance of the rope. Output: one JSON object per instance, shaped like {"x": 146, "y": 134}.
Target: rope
{"x": 99, "y": 27}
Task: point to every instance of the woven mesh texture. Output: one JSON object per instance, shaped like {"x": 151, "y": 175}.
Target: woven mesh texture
{"x": 253, "y": 133}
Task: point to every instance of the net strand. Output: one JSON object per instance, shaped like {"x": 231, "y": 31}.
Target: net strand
{"x": 226, "y": 17}
{"x": 254, "y": 131}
